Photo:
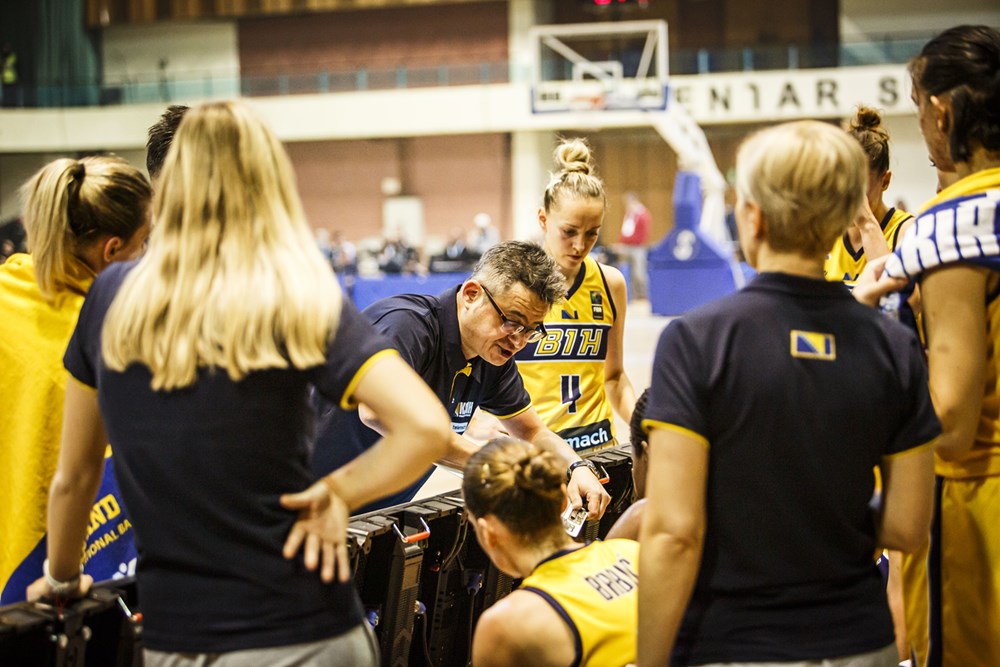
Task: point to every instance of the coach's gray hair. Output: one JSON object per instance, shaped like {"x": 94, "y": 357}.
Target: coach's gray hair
{"x": 511, "y": 262}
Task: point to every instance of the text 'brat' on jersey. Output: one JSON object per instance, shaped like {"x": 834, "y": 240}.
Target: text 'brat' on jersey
{"x": 569, "y": 342}
{"x": 615, "y": 581}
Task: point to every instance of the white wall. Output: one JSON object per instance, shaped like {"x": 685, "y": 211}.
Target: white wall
{"x": 198, "y": 60}
{"x": 914, "y": 180}
{"x": 16, "y": 168}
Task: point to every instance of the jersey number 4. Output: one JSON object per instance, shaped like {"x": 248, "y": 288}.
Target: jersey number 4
{"x": 570, "y": 391}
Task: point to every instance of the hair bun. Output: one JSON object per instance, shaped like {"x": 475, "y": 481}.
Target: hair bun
{"x": 866, "y": 118}
{"x": 536, "y": 472}
{"x": 573, "y": 156}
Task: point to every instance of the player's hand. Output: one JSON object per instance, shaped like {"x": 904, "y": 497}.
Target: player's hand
{"x": 321, "y": 530}
{"x": 873, "y": 283}
{"x": 584, "y": 484}
{"x": 40, "y": 588}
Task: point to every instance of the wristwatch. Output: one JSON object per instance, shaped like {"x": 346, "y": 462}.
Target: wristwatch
{"x": 582, "y": 462}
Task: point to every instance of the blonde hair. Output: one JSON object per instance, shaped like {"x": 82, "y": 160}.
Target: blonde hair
{"x": 518, "y": 483}
{"x": 69, "y": 204}
{"x": 233, "y": 278}
{"x": 577, "y": 176}
{"x": 866, "y": 127}
{"x": 809, "y": 180}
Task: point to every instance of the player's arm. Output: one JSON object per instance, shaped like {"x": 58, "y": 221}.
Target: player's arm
{"x": 629, "y": 524}
{"x": 616, "y": 383}
{"x": 527, "y": 425}
{"x": 907, "y": 499}
{"x": 672, "y": 535}
{"x": 894, "y": 596}
{"x": 522, "y": 629}
{"x": 955, "y": 320}
{"x": 77, "y": 478}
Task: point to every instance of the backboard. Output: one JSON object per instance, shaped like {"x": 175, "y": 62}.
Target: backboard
{"x": 599, "y": 66}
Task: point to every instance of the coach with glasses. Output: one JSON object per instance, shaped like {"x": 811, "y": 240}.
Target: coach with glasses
{"x": 462, "y": 343}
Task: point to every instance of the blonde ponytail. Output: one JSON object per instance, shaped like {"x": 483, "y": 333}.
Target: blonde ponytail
{"x": 69, "y": 204}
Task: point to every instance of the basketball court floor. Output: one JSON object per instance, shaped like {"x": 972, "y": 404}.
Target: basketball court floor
{"x": 642, "y": 331}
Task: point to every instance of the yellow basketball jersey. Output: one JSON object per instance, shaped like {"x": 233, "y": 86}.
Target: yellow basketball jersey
{"x": 564, "y": 372}
{"x": 844, "y": 264}
{"x": 594, "y": 589}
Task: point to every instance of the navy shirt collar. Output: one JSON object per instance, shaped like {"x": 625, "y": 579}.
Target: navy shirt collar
{"x": 799, "y": 285}
{"x": 452, "y": 334}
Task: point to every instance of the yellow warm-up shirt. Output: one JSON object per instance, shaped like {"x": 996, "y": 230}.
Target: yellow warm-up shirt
{"x": 595, "y": 590}
{"x": 564, "y": 372}
{"x": 33, "y": 337}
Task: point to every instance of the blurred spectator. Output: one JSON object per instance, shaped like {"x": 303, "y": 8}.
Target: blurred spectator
{"x": 456, "y": 256}
{"x": 8, "y": 76}
{"x": 633, "y": 240}
{"x": 396, "y": 256}
{"x": 483, "y": 236}
{"x": 6, "y": 250}
{"x": 323, "y": 243}
{"x": 12, "y": 239}
{"x": 343, "y": 255}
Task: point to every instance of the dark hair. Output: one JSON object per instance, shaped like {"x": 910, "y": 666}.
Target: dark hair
{"x": 518, "y": 483}
{"x": 636, "y": 433}
{"x": 576, "y": 176}
{"x": 866, "y": 127}
{"x": 965, "y": 62}
{"x": 510, "y": 262}
{"x": 161, "y": 134}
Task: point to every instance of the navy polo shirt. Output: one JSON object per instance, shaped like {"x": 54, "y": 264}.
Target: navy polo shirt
{"x": 424, "y": 329}
{"x": 799, "y": 392}
{"x": 201, "y": 470}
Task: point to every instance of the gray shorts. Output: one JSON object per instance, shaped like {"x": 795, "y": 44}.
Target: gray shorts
{"x": 883, "y": 657}
{"x": 354, "y": 647}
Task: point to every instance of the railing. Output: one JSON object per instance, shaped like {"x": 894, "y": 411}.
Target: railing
{"x": 165, "y": 88}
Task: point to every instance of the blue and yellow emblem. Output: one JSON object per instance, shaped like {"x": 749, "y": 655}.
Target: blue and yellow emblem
{"x": 813, "y": 345}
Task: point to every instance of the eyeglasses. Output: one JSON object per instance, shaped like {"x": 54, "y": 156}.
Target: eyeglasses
{"x": 512, "y": 328}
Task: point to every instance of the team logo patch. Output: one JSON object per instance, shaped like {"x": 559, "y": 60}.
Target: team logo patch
{"x": 597, "y": 304}
{"x": 813, "y": 345}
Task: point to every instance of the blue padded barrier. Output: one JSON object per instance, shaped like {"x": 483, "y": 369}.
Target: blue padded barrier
{"x": 688, "y": 268}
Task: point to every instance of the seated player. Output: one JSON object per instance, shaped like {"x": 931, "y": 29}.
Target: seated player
{"x": 577, "y": 603}
{"x": 627, "y": 525}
